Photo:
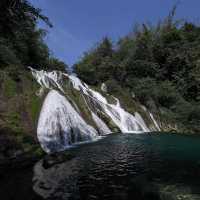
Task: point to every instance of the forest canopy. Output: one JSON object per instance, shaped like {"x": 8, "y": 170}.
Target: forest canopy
{"x": 158, "y": 63}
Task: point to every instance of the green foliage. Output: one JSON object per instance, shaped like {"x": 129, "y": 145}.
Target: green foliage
{"x": 21, "y": 42}
{"x": 55, "y": 64}
{"x": 14, "y": 120}
{"x": 22, "y": 45}
{"x": 7, "y": 54}
{"x": 16, "y": 13}
{"x": 159, "y": 63}
{"x": 112, "y": 86}
{"x": 97, "y": 65}
{"x": 35, "y": 107}
{"x": 9, "y": 87}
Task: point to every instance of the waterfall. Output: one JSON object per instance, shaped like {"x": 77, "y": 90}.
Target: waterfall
{"x": 48, "y": 80}
{"x": 126, "y": 122}
{"x": 102, "y": 127}
{"x": 152, "y": 118}
{"x": 60, "y": 125}
{"x": 154, "y": 121}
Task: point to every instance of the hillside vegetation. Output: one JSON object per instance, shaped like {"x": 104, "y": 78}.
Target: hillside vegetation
{"x": 21, "y": 45}
{"x": 156, "y": 66}
{"x": 21, "y": 42}
{"x": 159, "y": 65}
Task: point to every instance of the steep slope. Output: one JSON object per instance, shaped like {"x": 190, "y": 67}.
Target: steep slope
{"x": 19, "y": 111}
{"x": 73, "y": 112}
{"x": 58, "y": 110}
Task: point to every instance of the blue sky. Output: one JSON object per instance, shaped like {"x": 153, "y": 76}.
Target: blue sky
{"x": 79, "y": 24}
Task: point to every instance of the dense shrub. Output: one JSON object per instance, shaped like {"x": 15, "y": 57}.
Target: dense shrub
{"x": 21, "y": 42}
{"x": 159, "y": 63}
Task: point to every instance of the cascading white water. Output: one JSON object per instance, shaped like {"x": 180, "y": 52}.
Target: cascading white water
{"x": 126, "y": 122}
{"x": 48, "y": 80}
{"x": 102, "y": 127}
{"x": 152, "y": 118}
{"x": 154, "y": 121}
{"x": 60, "y": 125}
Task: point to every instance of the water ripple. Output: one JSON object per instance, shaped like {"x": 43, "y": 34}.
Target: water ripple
{"x": 122, "y": 167}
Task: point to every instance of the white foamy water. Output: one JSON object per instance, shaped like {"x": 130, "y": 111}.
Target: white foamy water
{"x": 60, "y": 125}
{"x": 152, "y": 118}
{"x": 154, "y": 121}
{"x": 126, "y": 122}
{"x": 48, "y": 80}
{"x": 102, "y": 127}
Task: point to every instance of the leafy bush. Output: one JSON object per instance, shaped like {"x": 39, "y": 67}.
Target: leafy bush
{"x": 21, "y": 42}
{"x": 7, "y": 55}
{"x": 159, "y": 63}
{"x": 55, "y": 64}
{"x": 112, "y": 86}
{"x": 97, "y": 65}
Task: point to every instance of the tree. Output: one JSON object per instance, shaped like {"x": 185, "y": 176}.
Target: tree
{"x": 96, "y": 65}
{"x": 18, "y": 14}
{"x": 159, "y": 63}
{"x": 21, "y": 42}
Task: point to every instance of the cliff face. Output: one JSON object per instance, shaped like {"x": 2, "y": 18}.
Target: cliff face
{"x": 59, "y": 110}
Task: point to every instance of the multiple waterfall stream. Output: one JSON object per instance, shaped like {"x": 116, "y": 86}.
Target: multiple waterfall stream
{"x": 60, "y": 123}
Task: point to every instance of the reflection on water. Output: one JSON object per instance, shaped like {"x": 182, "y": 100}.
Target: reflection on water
{"x": 125, "y": 166}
